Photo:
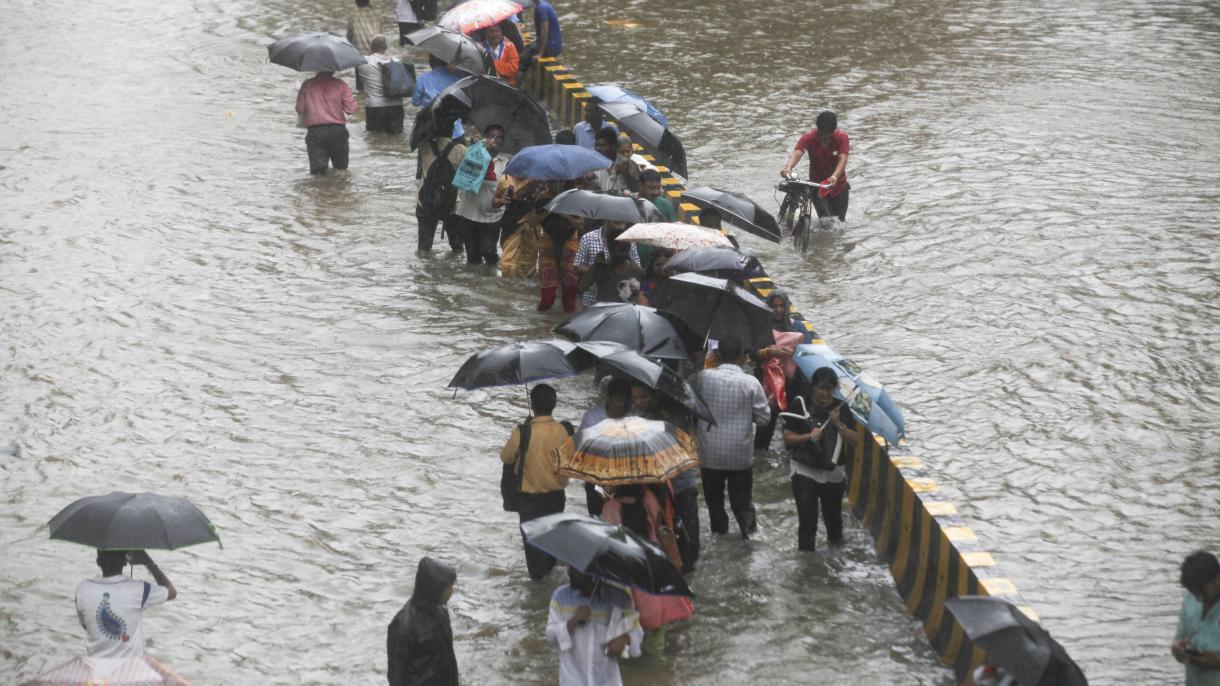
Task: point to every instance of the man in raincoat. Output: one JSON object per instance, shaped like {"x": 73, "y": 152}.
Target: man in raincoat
{"x": 419, "y": 642}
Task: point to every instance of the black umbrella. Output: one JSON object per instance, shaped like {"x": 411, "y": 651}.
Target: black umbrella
{"x": 516, "y": 363}
{"x": 606, "y": 551}
{"x": 716, "y": 308}
{"x": 451, "y": 47}
{"x": 131, "y": 521}
{"x": 485, "y": 100}
{"x": 716, "y": 260}
{"x": 316, "y": 51}
{"x": 629, "y": 365}
{"x": 649, "y": 133}
{"x": 736, "y": 209}
{"x": 640, "y": 328}
{"x": 1015, "y": 642}
{"x": 592, "y": 205}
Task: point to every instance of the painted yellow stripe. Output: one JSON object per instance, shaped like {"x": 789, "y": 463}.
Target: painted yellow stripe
{"x": 958, "y": 534}
{"x": 874, "y": 493}
{"x": 573, "y": 85}
{"x": 1029, "y": 612}
{"x": 662, "y": 169}
{"x": 931, "y": 625}
{"x": 954, "y": 647}
{"x": 887, "y": 518}
{"x": 939, "y": 508}
{"x": 1000, "y": 586}
{"x": 670, "y": 181}
{"x": 923, "y": 485}
{"x": 906, "y": 462}
{"x": 978, "y": 559}
{"x": 921, "y": 565}
{"x": 853, "y": 484}
{"x": 687, "y": 207}
{"x": 898, "y": 568}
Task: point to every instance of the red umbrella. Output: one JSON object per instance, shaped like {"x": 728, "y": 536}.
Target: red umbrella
{"x": 478, "y": 14}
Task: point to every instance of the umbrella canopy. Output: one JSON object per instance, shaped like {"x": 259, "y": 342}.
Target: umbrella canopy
{"x": 555, "y": 162}
{"x": 454, "y": 48}
{"x": 737, "y": 210}
{"x": 315, "y": 51}
{"x": 516, "y": 363}
{"x": 131, "y": 521}
{"x": 716, "y": 308}
{"x": 674, "y": 236}
{"x": 649, "y": 133}
{"x": 631, "y": 450}
{"x": 724, "y": 262}
{"x": 868, "y": 399}
{"x": 632, "y": 366}
{"x": 639, "y": 328}
{"x": 611, "y": 93}
{"x": 592, "y": 205}
{"x": 1015, "y": 642}
{"x": 486, "y": 100}
{"x": 473, "y": 15}
{"x": 112, "y": 671}
{"x": 606, "y": 551}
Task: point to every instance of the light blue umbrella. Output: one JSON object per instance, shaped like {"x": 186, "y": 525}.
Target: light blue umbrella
{"x": 555, "y": 162}
{"x": 868, "y": 400}
{"x": 611, "y": 93}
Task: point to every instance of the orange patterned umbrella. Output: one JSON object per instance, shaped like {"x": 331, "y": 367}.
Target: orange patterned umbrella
{"x": 631, "y": 450}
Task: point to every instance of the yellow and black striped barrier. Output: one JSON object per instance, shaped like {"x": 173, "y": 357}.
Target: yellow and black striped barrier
{"x": 932, "y": 553}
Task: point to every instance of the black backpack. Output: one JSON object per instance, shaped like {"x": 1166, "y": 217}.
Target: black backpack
{"x": 437, "y": 195}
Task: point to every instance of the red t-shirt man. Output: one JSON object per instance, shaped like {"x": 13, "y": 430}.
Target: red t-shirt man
{"x": 828, "y": 148}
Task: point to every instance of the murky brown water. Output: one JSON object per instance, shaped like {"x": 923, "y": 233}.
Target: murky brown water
{"x": 1030, "y": 265}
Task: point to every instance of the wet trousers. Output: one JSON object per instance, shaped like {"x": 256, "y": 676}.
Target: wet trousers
{"x": 556, "y": 272}
{"x": 326, "y": 143}
{"x": 686, "y": 523}
{"x": 532, "y": 506}
{"x": 427, "y": 230}
{"x": 741, "y": 499}
{"x": 384, "y": 119}
{"x": 809, "y": 496}
{"x": 481, "y": 239}
{"x": 835, "y": 206}
{"x": 763, "y": 434}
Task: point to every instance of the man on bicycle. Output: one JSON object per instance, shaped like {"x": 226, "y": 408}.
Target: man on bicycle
{"x": 828, "y": 147}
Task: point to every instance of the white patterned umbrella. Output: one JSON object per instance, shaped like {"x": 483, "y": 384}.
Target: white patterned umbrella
{"x": 478, "y": 14}
{"x": 674, "y": 235}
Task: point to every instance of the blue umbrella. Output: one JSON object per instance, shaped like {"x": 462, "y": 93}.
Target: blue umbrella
{"x": 868, "y": 400}
{"x": 555, "y": 162}
{"x": 609, "y": 93}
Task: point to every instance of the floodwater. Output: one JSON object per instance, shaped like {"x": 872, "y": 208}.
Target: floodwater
{"x": 1030, "y": 265}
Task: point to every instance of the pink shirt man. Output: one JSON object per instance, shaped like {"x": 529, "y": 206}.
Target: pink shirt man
{"x": 324, "y": 99}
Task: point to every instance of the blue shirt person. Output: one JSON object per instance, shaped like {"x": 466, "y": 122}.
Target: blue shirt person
{"x": 430, "y": 85}
{"x": 546, "y": 26}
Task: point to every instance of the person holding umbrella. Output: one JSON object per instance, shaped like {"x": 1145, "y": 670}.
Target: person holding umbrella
{"x": 645, "y": 403}
{"x": 592, "y": 623}
{"x": 322, "y": 103}
{"x": 110, "y": 607}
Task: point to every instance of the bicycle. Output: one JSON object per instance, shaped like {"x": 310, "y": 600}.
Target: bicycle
{"x": 798, "y": 194}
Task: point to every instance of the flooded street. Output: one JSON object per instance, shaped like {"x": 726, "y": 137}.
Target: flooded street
{"x": 1030, "y": 265}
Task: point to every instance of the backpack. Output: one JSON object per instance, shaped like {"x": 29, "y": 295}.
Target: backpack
{"x": 397, "y": 79}
{"x": 437, "y": 195}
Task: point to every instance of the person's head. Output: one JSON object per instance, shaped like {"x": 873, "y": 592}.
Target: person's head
{"x": 362, "y": 3}
{"x": 827, "y": 122}
{"x": 642, "y": 398}
{"x": 492, "y": 35}
{"x": 581, "y": 582}
{"x": 822, "y": 386}
{"x": 605, "y": 141}
{"x": 625, "y": 148}
{"x": 731, "y": 351}
{"x": 111, "y": 562}
{"x": 650, "y": 184}
{"x": 378, "y": 43}
{"x": 618, "y": 398}
{"x": 434, "y": 582}
{"x": 593, "y": 113}
{"x": 1201, "y": 576}
{"x": 660, "y": 257}
{"x": 709, "y": 218}
{"x": 542, "y": 399}
{"x": 778, "y": 302}
{"x": 435, "y": 62}
{"x": 611, "y": 230}
{"x": 634, "y": 513}
{"x": 565, "y": 137}
{"x": 493, "y": 138}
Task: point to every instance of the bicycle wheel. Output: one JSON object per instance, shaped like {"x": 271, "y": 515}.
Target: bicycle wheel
{"x": 787, "y": 212}
{"x": 800, "y": 233}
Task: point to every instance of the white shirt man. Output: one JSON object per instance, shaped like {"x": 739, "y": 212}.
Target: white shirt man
{"x": 110, "y": 607}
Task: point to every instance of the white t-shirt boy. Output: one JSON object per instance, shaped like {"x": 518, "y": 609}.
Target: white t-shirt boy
{"x": 110, "y": 608}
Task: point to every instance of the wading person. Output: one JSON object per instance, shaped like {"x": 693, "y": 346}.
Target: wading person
{"x": 532, "y": 448}
{"x": 419, "y": 641}
{"x": 788, "y": 334}
{"x": 737, "y": 401}
{"x": 408, "y": 20}
{"x": 593, "y": 624}
{"x": 586, "y": 130}
{"x": 650, "y": 190}
{"x": 558, "y": 244}
{"x": 502, "y": 52}
{"x": 110, "y": 607}
{"x": 322, "y": 103}
{"x": 364, "y": 23}
{"x": 828, "y": 147}
{"x": 436, "y": 199}
{"x": 818, "y": 447}
{"x": 1196, "y": 643}
{"x": 482, "y": 211}
{"x": 645, "y": 403}
{"x": 597, "y": 243}
{"x": 617, "y": 405}
{"x": 382, "y": 113}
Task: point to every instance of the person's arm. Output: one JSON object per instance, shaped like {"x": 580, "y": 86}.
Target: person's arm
{"x": 793, "y": 159}
{"x": 838, "y": 174}
{"x": 141, "y": 557}
{"x": 301, "y": 99}
{"x": 508, "y": 454}
{"x": 762, "y": 408}
{"x": 351, "y": 30}
{"x": 511, "y": 62}
{"x": 793, "y": 439}
{"x": 850, "y": 433}
{"x": 1204, "y": 660}
{"x": 504, "y": 192}
{"x": 349, "y": 103}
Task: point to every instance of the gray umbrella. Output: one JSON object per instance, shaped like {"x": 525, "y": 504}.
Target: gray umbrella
{"x": 315, "y": 51}
{"x": 454, "y": 48}
{"x": 736, "y": 209}
{"x": 485, "y": 100}
{"x": 130, "y": 521}
{"x": 648, "y": 132}
{"x": 602, "y": 206}
{"x": 1015, "y": 642}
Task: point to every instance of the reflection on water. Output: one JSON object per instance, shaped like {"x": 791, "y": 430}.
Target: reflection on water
{"x": 1029, "y": 264}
